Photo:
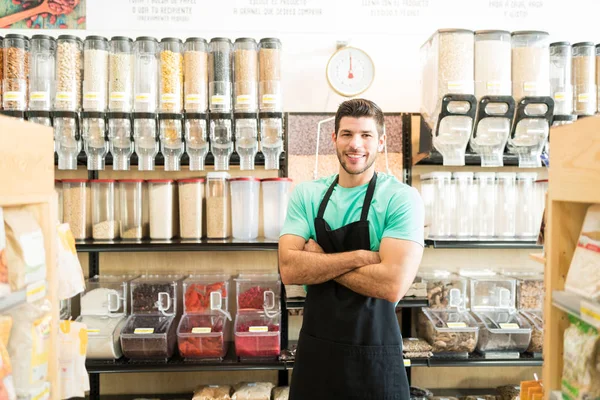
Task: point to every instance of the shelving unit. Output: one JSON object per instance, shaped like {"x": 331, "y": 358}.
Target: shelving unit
{"x": 471, "y": 159}
{"x": 28, "y": 157}
{"x": 574, "y": 184}
{"x": 116, "y": 246}
{"x": 482, "y": 244}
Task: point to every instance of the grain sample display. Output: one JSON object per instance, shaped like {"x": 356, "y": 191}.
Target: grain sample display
{"x": 217, "y": 206}
{"x": 245, "y": 63}
{"x": 530, "y": 64}
{"x": 269, "y": 58}
{"x": 42, "y": 72}
{"x": 584, "y": 80}
{"x": 191, "y": 196}
{"x": 530, "y": 293}
{"x": 69, "y": 65}
{"x": 15, "y": 72}
{"x": 76, "y": 207}
{"x": 436, "y": 328}
{"x": 171, "y": 75}
{"x": 195, "y": 61}
{"x": 95, "y": 73}
{"x": 120, "y": 74}
{"x": 219, "y": 74}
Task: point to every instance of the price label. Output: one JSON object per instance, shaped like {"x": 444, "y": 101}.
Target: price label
{"x": 14, "y": 96}
{"x": 65, "y": 96}
{"x": 244, "y": 99}
{"x": 39, "y": 96}
{"x": 218, "y": 100}
{"x": 493, "y": 84}
{"x": 529, "y": 86}
{"x": 143, "y": 331}
{"x": 256, "y": 329}
{"x": 91, "y": 96}
{"x": 509, "y": 326}
{"x": 590, "y": 313}
{"x": 36, "y": 291}
{"x": 269, "y": 98}
{"x": 201, "y": 330}
{"x": 456, "y": 325}
{"x": 560, "y": 96}
{"x": 193, "y": 99}
{"x": 143, "y": 98}
{"x": 407, "y": 363}
{"x": 583, "y": 97}
{"x": 168, "y": 98}
{"x": 93, "y": 331}
{"x": 118, "y": 96}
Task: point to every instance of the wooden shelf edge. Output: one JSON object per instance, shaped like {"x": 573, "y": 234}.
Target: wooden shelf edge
{"x": 538, "y": 257}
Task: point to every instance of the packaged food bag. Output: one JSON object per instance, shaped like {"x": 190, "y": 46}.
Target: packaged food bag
{"x": 213, "y": 392}
{"x": 25, "y": 251}
{"x": 253, "y": 391}
{"x": 584, "y": 274}
{"x": 281, "y": 393}
{"x": 581, "y": 361}
{"x": 4, "y": 284}
{"x": 71, "y": 280}
{"x": 73, "y": 338}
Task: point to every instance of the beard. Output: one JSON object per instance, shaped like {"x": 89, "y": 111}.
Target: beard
{"x": 352, "y": 170}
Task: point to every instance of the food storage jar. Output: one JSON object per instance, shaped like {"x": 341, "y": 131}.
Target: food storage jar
{"x": 120, "y": 74}
{"x": 530, "y": 64}
{"x": 156, "y": 295}
{"x": 258, "y": 292}
{"x": 506, "y": 210}
{"x": 245, "y": 73}
{"x": 561, "y": 87}
{"x": 445, "y": 290}
{"x": 246, "y": 139}
{"x": 492, "y": 293}
{"x": 131, "y": 209}
{"x": 58, "y": 188}
{"x": 447, "y": 65}
{"x": 103, "y": 336}
{"x": 270, "y": 87}
{"x": 244, "y": 207}
{"x": 465, "y": 207}
{"x": 76, "y": 207}
{"x": 195, "y": 61}
{"x": 271, "y": 138}
{"x": 536, "y": 320}
{"x": 163, "y": 209}
{"x": 171, "y": 75}
{"x": 530, "y": 289}
{"x": 95, "y": 73}
{"x": 485, "y": 204}
{"x": 206, "y": 294}
{"x": 104, "y": 217}
{"x": 105, "y": 295}
{"x": 149, "y": 337}
{"x": 69, "y": 71}
{"x": 196, "y": 139}
{"x": 219, "y": 75}
{"x": 41, "y": 72}
{"x": 584, "y": 79}
{"x": 191, "y": 201}
{"x": 448, "y": 331}
{"x": 203, "y": 336}
{"x": 145, "y": 77}
{"x": 492, "y": 63}
{"x": 275, "y": 198}
{"x": 217, "y": 205}
{"x": 502, "y": 332}
{"x": 257, "y": 335}
{"x": 443, "y": 205}
{"x": 527, "y": 222}
{"x": 15, "y": 55}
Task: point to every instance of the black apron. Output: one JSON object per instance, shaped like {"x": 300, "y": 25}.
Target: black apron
{"x": 350, "y": 345}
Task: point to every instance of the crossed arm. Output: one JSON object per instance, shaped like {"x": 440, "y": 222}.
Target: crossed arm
{"x": 385, "y": 275}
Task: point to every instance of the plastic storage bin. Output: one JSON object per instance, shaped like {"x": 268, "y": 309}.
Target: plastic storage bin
{"x": 506, "y": 205}
{"x": 492, "y": 63}
{"x": 104, "y": 334}
{"x": 41, "y": 72}
{"x": 527, "y": 218}
{"x": 530, "y": 290}
{"x": 561, "y": 88}
{"x": 156, "y": 295}
{"x": 485, "y": 208}
{"x": 219, "y": 75}
{"x": 69, "y": 65}
{"x": 163, "y": 209}
{"x": 131, "y": 209}
{"x": 275, "y": 198}
{"x": 120, "y": 74}
{"x": 502, "y": 331}
{"x": 463, "y": 223}
{"x": 584, "y": 79}
{"x": 171, "y": 75}
{"x": 217, "y": 205}
{"x": 445, "y": 290}
{"x": 76, "y": 207}
{"x": 270, "y": 91}
{"x": 191, "y": 200}
{"x": 245, "y": 73}
{"x": 149, "y": 337}
{"x": 258, "y": 292}
{"x": 536, "y": 320}
{"x": 530, "y": 64}
{"x": 195, "y": 59}
{"x": 15, "y": 54}
{"x": 244, "y": 207}
{"x": 448, "y": 332}
{"x": 145, "y": 78}
{"x": 203, "y": 336}
{"x": 95, "y": 73}
{"x": 206, "y": 294}
{"x": 105, "y": 295}
{"x": 441, "y": 203}
{"x": 104, "y": 219}
{"x": 257, "y": 335}
{"x": 492, "y": 293}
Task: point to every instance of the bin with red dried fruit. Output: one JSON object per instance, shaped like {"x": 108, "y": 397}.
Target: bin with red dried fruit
{"x": 259, "y": 292}
{"x": 205, "y": 294}
{"x": 257, "y": 335}
{"x": 203, "y": 336}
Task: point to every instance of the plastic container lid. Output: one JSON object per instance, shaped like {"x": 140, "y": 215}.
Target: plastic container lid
{"x": 557, "y": 44}
{"x": 75, "y": 180}
{"x": 535, "y": 318}
{"x": 93, "y": 37}
{"x": 488, "y": 31}
{"x": 218, "y": 175}
{"x": 220, "y": 39}
{"x": 131, "y": 180}
{"x": 67, "y": 37}
{"x": 580, "y": 44}
{"x": 17, "y": 36}
{"x": 160, "y": 180}
{"x": 516, "y": 33}
{"x": 245, "y": 39}
{"x": 245, "y": 178}
{"x": 191, "y": 180}
{"x": 476, "y": 272}
{"x": 148, "y": 38}
{"x": 195, "y": 39}
{"x": 171, "y": 40}
{"x": 266, "y": 40}
{"x": 42, "y": 37}
{"x": 125, "y": 38}
{"x": 103, "y": 180}
{"x": 277, "y": 179}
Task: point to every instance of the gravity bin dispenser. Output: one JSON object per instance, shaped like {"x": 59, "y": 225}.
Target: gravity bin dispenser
{"x": 145, "y": 139}
{"x": 531, "y": 129}
{"x": 67, "y": 139}
{"x": 454, "y": 127}
{"x": 492, "y": 128}
{"x": 246, "y": 139}
{"x": 271, "y": 138}
{"x": 120, "y": 134}
{"x": 95, "y": 140}
{"x": 196, "y": 139}
{"x": 221, "y": 139}
{"x": 171, "y": 139}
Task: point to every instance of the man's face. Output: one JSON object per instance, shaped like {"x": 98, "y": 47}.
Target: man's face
{"x": 357, "y": 143}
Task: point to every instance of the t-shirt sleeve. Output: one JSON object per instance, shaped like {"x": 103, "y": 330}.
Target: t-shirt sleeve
{"x": 296, "y": 221}
{"x": 405, "y": 217}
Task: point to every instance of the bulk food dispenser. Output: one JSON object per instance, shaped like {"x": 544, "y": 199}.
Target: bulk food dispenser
{"x": 41, "y": 79}
{"x": 448, "y": 103}
{"x": 561, "y": 88}
{"x": 121, "y": 139}
{"x": 15, "y": 51}
{"x": 195, "y": 85}
{"x": 246, "y": 100}
{"x": 584, "y": 78}
{"x": 219, "y": 85}
{"x": 94, "y": 135}
{"x": 145, "y": 99}
{"x": 270, "y": 101}
{"x": 493, "y": 92}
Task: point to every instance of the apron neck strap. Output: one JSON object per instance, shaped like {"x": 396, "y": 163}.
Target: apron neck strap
{"x": 366, "y": 203}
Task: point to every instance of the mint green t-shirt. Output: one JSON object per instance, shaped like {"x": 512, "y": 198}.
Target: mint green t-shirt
{"x": 396, "y": 210}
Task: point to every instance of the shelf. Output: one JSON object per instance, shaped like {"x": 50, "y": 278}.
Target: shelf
{"x": 169, "y": 396}
{"x": 471, "y": 159}
{"x": 13, "y": 300}
{"x": 146, "y": 245}
{"x": 475, "y": 360}
{"x": 482, "y": 244}
{"x": 407, "y": 302}
{"x": 538, "y": 257}
{"x": 463, "y": 392}
{"x": 576, "y": 305}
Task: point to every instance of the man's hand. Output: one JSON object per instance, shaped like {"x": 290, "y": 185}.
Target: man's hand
{"x": 313, "y": 247}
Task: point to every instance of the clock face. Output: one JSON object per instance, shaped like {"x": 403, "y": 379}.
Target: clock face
{"x": 350, "y": 71}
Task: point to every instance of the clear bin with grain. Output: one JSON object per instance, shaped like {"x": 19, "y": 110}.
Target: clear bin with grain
{"x": 120, "y": 74}
{"x": 449, "y": 332}
{"x": 170, "y": 128}
{"x": 171, "y": 75}
{"x": 584, "y": 79}
{"x": 219, "y": 75}
{"x": 530, "y": 64}
{"x": 163, "y": 209}
{"x": 42, "y": 66}
{"x": 561, "y": 88}
{"x": 95, "y": 73}
{"x": 131, "y": 197}
{"x": 502, "y": 331}
{"x": 492, "y": 293}
{"x": 221, "y": 139}
{"x": 145, "y": 76}
{"x": 536, "y": 320}
{"x": 195, "y": 61}
{"x": 492, "y": 63}
{"x": 67, "y": 138}
{"x": 105, "y": 225}
{"x": 244, "y": 207}
{"x": 93, "y": 134}
{"x": 445, "y": 290}
{"x": 218, "y": 217}
{"x": 206, "y": 294}
{"x": 69, "y": 73}
{"x": 245, "y": 73}
{"x": 530, "y": 290}
{"x": 76, "y": 207}
{"x": 191, "y": 201}
{"x": 15, "y": 58}
{"x": 275, "y": 198}
{"x": 270, "y": 81}
{"x": 203, "y": 337}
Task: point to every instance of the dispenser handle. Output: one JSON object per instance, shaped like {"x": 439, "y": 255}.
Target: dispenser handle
{"x": 521, "y": 114}
{"x": 449, "y": 98}
{"x": 482, "y": 113}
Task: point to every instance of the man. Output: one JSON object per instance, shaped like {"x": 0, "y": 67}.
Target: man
{"x": 356, "y": 240}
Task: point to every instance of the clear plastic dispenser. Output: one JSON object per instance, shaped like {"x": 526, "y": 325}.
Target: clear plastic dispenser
{"x": 219, "y": 75}
{"x": 271, "y": 138}
{"x": 120, "y": 74}
{"x": 171, "y": 139}
{"x": 530, "y": 130}
{"x": 221, "y": 139}
{"x": 196, "y": 139}
{"x": 15, "y": 50}
{"x": 246, "y": 139}
{"x": 120, "y": 135}
{"x": 145, "y": 139}
{"x": 95, "y": 73}
{"x": 145, "y": 78}
{"x": 67, "y": 139}
{"x": 245, "y": 72}
{"x": 269, "y": 66}
{"x": 42, "y": 65}
{"x": 95, "y": 143}
{"x": 561, "y": 88}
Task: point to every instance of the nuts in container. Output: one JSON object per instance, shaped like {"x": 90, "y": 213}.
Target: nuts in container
{"x": 444, "y": 289}
{"x": 536, "y": 319}
{"x": 530, "y": 289}
{"x": 448, "y": 331}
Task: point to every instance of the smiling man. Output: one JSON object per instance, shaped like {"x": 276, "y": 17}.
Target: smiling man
{"x": 356, "y": 240}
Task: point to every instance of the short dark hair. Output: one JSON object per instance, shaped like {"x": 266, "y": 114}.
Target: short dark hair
{"x": 357, "y": 108}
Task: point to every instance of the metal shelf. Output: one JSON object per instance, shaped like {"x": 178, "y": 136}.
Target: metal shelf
{"x": 477, "y": 360}
{"x": 407, "y": 302}
{"x": 482, "y": 244}
{"x": 146, "y": 245}
{"x": 471, "y": 159}
{"x": 576, "y": 305}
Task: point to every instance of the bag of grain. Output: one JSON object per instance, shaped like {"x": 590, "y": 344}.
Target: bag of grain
{"x": 253, "y": 391}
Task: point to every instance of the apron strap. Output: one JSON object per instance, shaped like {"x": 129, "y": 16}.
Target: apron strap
{"x": 325, "y": 200}
{"x": 368, "y": 198}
